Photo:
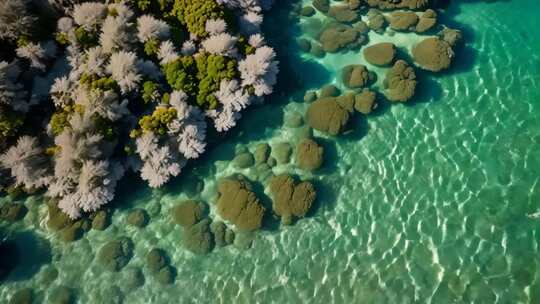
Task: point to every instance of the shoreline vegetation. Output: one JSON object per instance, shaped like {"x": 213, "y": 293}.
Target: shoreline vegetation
{"x": 144, "y": 86}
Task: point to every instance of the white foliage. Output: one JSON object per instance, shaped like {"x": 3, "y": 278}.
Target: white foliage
{"x": 12, "y": 93}
{"x": 250, "y": 23}
{"x": 260, "y": 70}
{"x": 14, "y": 19}
{"x": 121, "y": 10}
{"x": 231, "y": 95}
{"x": 216, "y": 26}
{"x": 27, "y": 163}
{"x": 188, "y": 128}
{"x": 61, "y": 91}
{"x": 188, "y": 48}
{"x": 220, "y": 44}
{"x": 256, "y": 40}
{"x": 65, "y": 24}
{"x": 95, "y": 61}
{"x": 123, "y": 69}
{"x": 34, "y": 53}
{"x": 167, "y": 53}
{"x": 104, "y": 103}
{"x": 116, "y": 34}
{"x": 149, "y": 27}
{"x": 89, "y": 15}
{"x": 159, "y": 163}
{"x": 224, "y": 120}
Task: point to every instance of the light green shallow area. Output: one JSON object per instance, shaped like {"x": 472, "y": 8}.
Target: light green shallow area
{"x": 436, "y": 201}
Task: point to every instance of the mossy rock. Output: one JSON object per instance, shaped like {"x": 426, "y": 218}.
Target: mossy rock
{"x": 290, "y": 200}
{"x": 401, "y": 82}
{"x": 304, "y": 45}
{"x": 282, "y": 152}
{"x": 427, "y": 21}
{"x": 198, "y": 238}
{"x": 57, "y": 219}
{"x": 134, "y": 278}
{"x": 293, "y": 119}
{"x": 114, "y": 255}
{"x": 22, "y": 296}
{"x": 138, "y": 218}
{"x": 12, "y": 212}
{"x": 376, "y": 21}
{"x": 309, "y": 155}
{"x": 322, "y": 5}
{"x": 61, "y": 295}
{"x": 166, "y": 275}
{"x": 380, "y": 54}
{"x": 307, "y": 11}
{"x": 155, "y": 260}
{"x": 101, "y": 220}
{"x": 326, "y": 115}
{"x": 244, "y": 240}
{"x": 243, "y": 160}
{"x": 238, "y": 204}
{"x": 346, "y": 101}
{"x": 188, "y": 213}
{"x": 329, "y": 90}
{"x": 365, "y": 102}
{"x": 357, "y": 76}
{"x": 218, "y": 230}
{"x": 336, "y": 37}
{"x": 262, "y": 152}
{"x": 433, "y": 54}
{"x": 403, "y": 21}
{"x": 343, "y": 13}
{"x": 71, "y": 233}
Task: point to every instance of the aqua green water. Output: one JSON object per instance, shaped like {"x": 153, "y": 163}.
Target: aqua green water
{"x": 431, "y": 202}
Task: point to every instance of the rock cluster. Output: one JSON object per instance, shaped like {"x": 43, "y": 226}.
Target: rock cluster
{"x": 400, "y": 82}
{"x": 433, "y": 54}
{"x": 290, "y": 199}
{"x": 238, "y": 204}
{"x": 309, "y": 155}
{"x": 357, "y": 76}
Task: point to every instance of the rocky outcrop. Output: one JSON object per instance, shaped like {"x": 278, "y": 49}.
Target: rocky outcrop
{"x": 188, "y": 213}
{"x": 327, "y": 116}
{"x": 238, "y": 204}
{"x": 403, "y": 21}
{"x": 365, "y": 101}
{"x": 400, "y": 82}
{"x": 309, "y": 155}
{"x": 290, "y": 200}
{"x": 376, "y": 21}
{"x": 433, "y": 54}
{"x": 337, "y": 36}
{"x": 380, "y": 54}
{"x": 427, "y": 21}
{"x": 357, "y": 76}
{"x": 343, "y": 13}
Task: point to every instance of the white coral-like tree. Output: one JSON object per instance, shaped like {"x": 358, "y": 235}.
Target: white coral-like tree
{"x": 149, "y": 28}
{"x": 27, "y": 162}
{"x": 160, "y": 163}
{"x": 260, "y": 70}
{"x": 123, "y": 69}
{"x": 15, "y": 19}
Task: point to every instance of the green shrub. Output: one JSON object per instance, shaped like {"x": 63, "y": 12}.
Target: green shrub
{"x": 158, "y": 121}
{"x": 151, "y": 47}
{"x": 194, "y": 14}
{"x": 10, "y": 122}
{"x": 211, "y": 70}
{"x": 181, "y": 74}
{"x": 151, "y": 91}
{"x": 85, "y": 38}
{"x": 59, "y": 121}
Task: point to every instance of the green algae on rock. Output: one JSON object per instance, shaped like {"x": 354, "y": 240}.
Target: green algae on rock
{"x": 309, "y": 155}
{"x": 114, "y": 255}
{"x": 198, "y": 238}
{"x": 380, "y": 54}
{"x": 238, "y": 204}
{"x": 433, "y": 54}
{"x": 138, "y": 218}
{"x": 243, "y": 160}
{"x": 357, "y": 76}
{"x": 401, "y": 82}
{"x": 100, "y": 220}
{"x": 403, "y": 21}
{"x": 188, "y": 213}
{"x": 290, "y": 200}
{"x": 365, "y": 101}
{"x": 326, "y": 115}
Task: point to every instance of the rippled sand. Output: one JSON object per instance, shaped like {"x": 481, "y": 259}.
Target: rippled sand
{"x": 434, "y": 204}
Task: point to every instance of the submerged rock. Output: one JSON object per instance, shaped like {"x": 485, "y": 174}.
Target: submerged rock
{"x": 326, "y": 115}
{"x": 155, "y": 259}
{"x": 307, "y": 11}
{"x": 322, "y": 5}
{"x": 166, "y": 275}
{"x": 346, "y": 101}
{"x": 309, "y": 155}
{"x": 22, "y": 296}
{"x": 376, "y": 21}
{"x": 343, "y": 13}
{"x": 57, "y": 219}
{"x": 61, "y": 295}
{"x": 329, "y": 90}
{"x": 304, "y": 45}
{"x": 289, "y": 200}
{"x": 393, "y": 4}
{"x": 198, "y": 238}
{"x": 12, "y": 212}
{"x": 310, "y": 96}
{"x": 338, "y": 36}
{"x": 262, "y": 152}
{"x": 114, "y": 255}
{"x": 403, "y": 21}
{"x": 293, "y": 119}
{"x": 188, "y": 213}
{"x": 317, "y": 50}
{"x": 238, "y": 204}
{"x": 365, "y": 101}
{"x": 282, "y": 152}
{"x": 427, "y": 21}
{"x": 380, "y": 54}
{"x": 134, "y": 278}
{"x": 138, "y": 218}
{"x": 243, "y": 160}
{"x": 357, "y": 76}
{"x": 401, "y": 82}
{"x": 451, "y": 36}
{"x": 433, "y": 54}
{"x": 100, "y": 220}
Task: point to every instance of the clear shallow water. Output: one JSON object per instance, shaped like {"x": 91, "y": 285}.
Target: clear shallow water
{"x": 423, "y": 203}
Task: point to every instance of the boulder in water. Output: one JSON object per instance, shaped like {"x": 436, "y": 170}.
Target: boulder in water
{"x": 326, "y": 115}
{"x": 357, "y": 76}
{"x": 309, "y": 155}
{"x": 403, "y": 21}
{"x": 188, "y": 213}
{"x": 290, "y": 200}
{"x": 400, "y": 82}
{"x": 198, "y": 238}
{"x": 433, "y": 54}
{"x": 115, "y": 254}
{"x": 238, "y": 204}
{"x": 380, "y": 54}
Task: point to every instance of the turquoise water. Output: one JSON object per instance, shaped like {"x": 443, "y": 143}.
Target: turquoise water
{"x": 429, "y": 202}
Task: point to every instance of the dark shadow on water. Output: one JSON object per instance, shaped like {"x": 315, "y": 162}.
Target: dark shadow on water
{"x": 330, "y": 156}
{"x": 326, "y": 197}
{"x": 27, "y": 252}
{"x": 427, "y": 89}
{"x": 359, "y": 128}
